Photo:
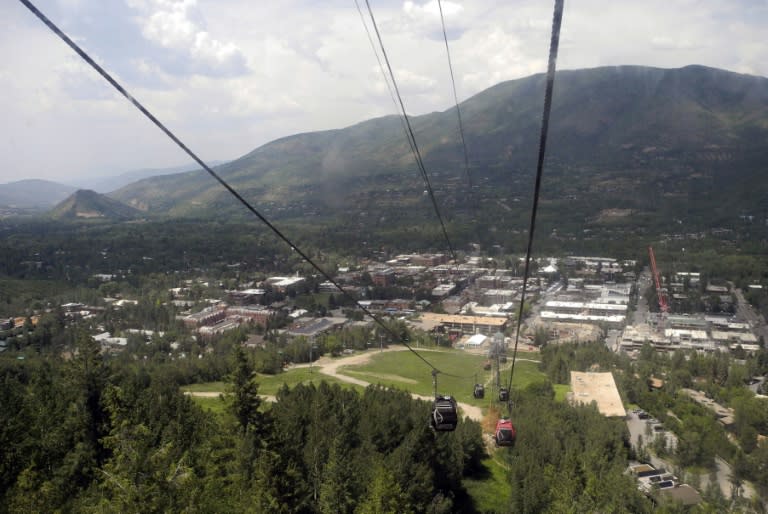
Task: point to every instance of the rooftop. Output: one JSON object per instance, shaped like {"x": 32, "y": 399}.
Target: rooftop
{"x": 474, "y": 320}
{"x": 600, "y": 388}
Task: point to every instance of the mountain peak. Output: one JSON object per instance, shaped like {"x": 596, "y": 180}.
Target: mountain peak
{"x": 88, "y": 204}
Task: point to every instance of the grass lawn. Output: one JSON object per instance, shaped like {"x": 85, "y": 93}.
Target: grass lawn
{"x": 491, "y": 492}
{"x": 404, "y": 370}
{"x": 215, "y": 405}
{"x": 560, "y": 391}
{"x": 270, "y": 384}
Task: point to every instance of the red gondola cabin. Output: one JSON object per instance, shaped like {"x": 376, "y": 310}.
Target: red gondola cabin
{"x": 505, "y": 433}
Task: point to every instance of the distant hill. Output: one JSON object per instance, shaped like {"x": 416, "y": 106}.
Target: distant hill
{"x": 625, "y": 143}
{"x": 87, "y": 205}
{"x": 33, "y": 193}
{"x": 106, "y": 184}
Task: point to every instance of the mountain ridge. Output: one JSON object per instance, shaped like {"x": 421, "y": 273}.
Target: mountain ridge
{"x": 33, "y": 193}
{"x": 617, "y": 120}
{"x": 107, "y": 183}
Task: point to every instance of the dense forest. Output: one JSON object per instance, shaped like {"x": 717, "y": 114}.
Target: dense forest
{"x": 93, "y": 433}
{"x": 44, "y": 248}
{"x": 569, "y": 459}
{"x": 85, "y": 436}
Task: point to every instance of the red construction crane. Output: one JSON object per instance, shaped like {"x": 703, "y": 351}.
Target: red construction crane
{"x": 660, "y": 293}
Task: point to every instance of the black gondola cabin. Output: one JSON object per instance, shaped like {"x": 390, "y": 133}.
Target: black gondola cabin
{"x": 444, "y": 414}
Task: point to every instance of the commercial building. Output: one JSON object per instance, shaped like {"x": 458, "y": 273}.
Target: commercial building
{"x": 245, "y": 296}
{"x": 282, "y": 284}
{"x": 255, "y": 314}
{"x": 496, "y": 296}
{"x": 384, "y": 277}
{"x": 206, "y": 317}
{"x": 443, "y": 290}
{"x": 613, "y": 315}
{"x": 466, "y": 324}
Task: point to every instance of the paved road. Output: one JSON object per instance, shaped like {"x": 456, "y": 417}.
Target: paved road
{"x": 723, "y": 478}
{"x": 637, "y": 427}
{"x": 640, "y": 315}
{"x": 749, "y": 315}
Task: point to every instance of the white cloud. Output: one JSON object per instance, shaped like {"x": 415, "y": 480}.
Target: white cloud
{"x": 230, "y": 75}
{"x": 177, "y": 25}
{"x": 412, "y": 82}
{"x": 673, "y": 43}
{"x": 499, "y": 55}
{"x": 171, "y": 25}
{"x": 431, "y": 9}
{"x": 424, "y": 18}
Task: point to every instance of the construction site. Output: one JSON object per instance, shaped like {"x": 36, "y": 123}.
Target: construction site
{"x": 667, "y": 332}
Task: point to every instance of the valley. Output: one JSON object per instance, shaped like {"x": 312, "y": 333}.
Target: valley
{"x": 114, "y": 306}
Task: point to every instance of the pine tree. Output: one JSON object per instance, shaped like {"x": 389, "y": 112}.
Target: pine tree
{"x": 384, "y": 495}
{"x": 335, "y": 493}
{"x": 245, "y": 400}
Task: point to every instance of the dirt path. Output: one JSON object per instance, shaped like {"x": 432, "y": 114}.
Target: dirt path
{"x": 330, "y": 366}
{"x": 215, "y": 394}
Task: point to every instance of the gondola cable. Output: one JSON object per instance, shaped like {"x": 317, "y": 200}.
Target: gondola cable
{"x": 456, "y": 100}
{"x": 545, "y": 122}
{"x": 384, "y": 76}
{"x": 412, "y": 137}
{"x": 115, "y": 84}
{"x": 409, "y": 134}
{"x": 550, "y": 83}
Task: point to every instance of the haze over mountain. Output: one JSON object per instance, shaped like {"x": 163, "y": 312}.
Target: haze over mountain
{"x": 646, "y": 141}
{"x": 106, "y": 183}
{"x": 33, "y": 193}
{"x": 88, "y": 205}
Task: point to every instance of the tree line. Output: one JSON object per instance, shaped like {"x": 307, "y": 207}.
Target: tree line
{"x": 86, "y": 435}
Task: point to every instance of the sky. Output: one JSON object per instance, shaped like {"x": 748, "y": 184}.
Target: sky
{"x": 228, "y": 76}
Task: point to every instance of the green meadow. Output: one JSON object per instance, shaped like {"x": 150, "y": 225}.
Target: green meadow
{"x": 458, "y": 372}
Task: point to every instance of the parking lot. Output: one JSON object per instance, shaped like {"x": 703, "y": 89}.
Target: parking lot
{"x": 641, "y": 423}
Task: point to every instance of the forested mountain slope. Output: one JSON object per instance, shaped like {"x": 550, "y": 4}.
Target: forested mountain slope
{"x": 86, "y": 204}
{"x": 654, "y": 142}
